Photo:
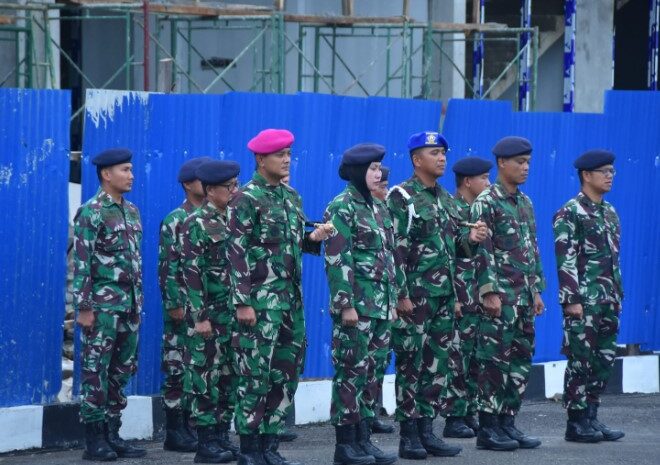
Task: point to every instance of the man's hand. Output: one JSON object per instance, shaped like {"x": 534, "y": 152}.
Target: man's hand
{"x": 404, "y": 307}
{"x": 204, "y": 329}
{"x": 493, "y": 304}
{"x": 176, "y": 314}
{"x": 539, "y": 306}
{"x": 85, "y": 319}
{"x": 573, "y": 310}
{"x": 458, "y": 313}
{"x": 479, "y": 232}
{"x": 246, "y": 315}
{"x": 322, "y": 232}
{"x": 349, "y": 317}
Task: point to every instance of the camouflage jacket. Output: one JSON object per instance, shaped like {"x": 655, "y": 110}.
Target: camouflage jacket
{"x": 266, "y": 243}
{"x": 428, "y": 238}
{"x": 205, "y": 265}
{"x": 106, "y": 255}
{"x": 170, "y": 274}
{"x": 587, "y": 250}
{"x": 359, "y": 259}
{"x": 510, "y": 256}
{"x": 466, "y": 268}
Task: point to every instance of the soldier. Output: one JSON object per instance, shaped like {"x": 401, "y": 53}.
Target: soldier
{"x": 587, "y": 232}
{"x": 510, "y": 282}
{"x": 170, "y": 278}
{"x": 210, "y": 380}
{"x": 383, "y": 357}
{"x": 359, "y": 263}
{"x": 471, "y": 179}
{"x": 428, "y": 238}
{"x": 107, "y": 290}
{"x": 266, "y": 243}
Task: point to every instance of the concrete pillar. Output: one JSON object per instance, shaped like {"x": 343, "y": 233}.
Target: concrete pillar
{"x": 451, "y": 82}
{"x": 593, "y": 53}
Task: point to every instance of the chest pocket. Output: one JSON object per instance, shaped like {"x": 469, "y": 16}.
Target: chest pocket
{"x": 595, "y": 240}
{"x": 273, "y": 227}
{"x": 507, "y": 233}
{"x": 114, "y": 239}
{"x": 368, "y": 239}
{"x": 217, "y": 250}
{"x": 426, "y": 224}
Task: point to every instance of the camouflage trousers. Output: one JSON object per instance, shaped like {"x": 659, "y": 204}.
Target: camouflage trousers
{"x": 504, "y": 351}
{"x": 174, "y": 343}
{"x": 109, "y": 359}
{"x": 466, "y": 385}
{"x": 358, "y": 352}
{"x": 426, "y": 346}
{"x": 269, "y": 360}
{"x": 210, "y": 380}
{"x": 590, "y": 345}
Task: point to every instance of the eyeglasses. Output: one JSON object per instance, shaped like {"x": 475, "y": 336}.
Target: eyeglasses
{"x": 607, "y": 172}
{"x": 231, "y": 186}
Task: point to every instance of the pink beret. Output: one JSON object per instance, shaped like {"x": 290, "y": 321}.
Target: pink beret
{"x": 270, "y": 141}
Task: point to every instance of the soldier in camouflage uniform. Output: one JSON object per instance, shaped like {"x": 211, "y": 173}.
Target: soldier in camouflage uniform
{"x": 471, "y": 179}
{"x": 383, "y": 357}
{"x": 587, "y": 233}
{"x": 359, "y": 263}
{"x": 266, "y": 242}
{"x": 429, "y": 236}
{"x": 107, "y": 290}
{"x": 210, "y": 380}
{"x": 170, "y": 279}
{"x": 510, "y": 281}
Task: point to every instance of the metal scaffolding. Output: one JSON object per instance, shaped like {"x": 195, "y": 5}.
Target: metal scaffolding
{"x": 313, "y": 50}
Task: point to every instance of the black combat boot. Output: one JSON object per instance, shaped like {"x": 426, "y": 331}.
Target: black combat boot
{"x": 472, "y": 423}
{"x": 121, "y": 447}
{"x": 188, "y": 425}
{"x": 347, "y": 451}
{"x": 208, "y": 447}
{"x": 287, "y": 435}
{"x": 378, "y": 426}
{"x": 455, "y": 427}
{"x": 269, "y": 445}
{"x": 96, "y": 447}
{"x": 608, "y": 434}
{"x": 433, "y": 444}
{"x": 491, "y": 436}
{"x": 579, "y": 428}
{"x": 364, "y": 442}
{"x": 507, "y": 423}
{"x": 251, "y": 453}
{"x": 409, "y": 445}
{"x": 176, "y": 436}
{"x": 222, "y": 433}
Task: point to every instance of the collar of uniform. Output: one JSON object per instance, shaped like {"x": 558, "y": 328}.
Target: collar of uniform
{"x": 106, "y": 199}
{"x": 188, "y": 206}
{"x": 419, "y": 186}
{"x": 588, "y": 204}
{"x": 353, "y": 192}
{"x": 461, "y": 201}
{"x": 258, "y": 179}
{"x": 501, "y": 191}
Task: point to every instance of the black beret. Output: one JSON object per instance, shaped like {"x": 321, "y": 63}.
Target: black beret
{"x": 592, "y": 159}
{"x": 512, "y": 146}
{"x": 361, "y": 154}
{"x": 385, "y": 173}
{"x": 187, "y": 170}
{"x": 217, "y": 171}
{"x": 112, "y": 157}
{"x": 472, "y": 166}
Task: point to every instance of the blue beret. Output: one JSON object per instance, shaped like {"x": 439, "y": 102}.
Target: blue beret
{"x": 427, "y": 139}
{"x": 217, "y": 171}
{"x": 187, "y": 170}
{"x": 112, "y": 157}
{"x": 512, "y": 146}
{"x": 472, "y": 166}
{"x": 385, "y": 173}
{"x": 592, "y": 159}
{"x": 361, "y": 154}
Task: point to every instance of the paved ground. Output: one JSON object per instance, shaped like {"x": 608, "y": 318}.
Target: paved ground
{"x": 637, "y": 415}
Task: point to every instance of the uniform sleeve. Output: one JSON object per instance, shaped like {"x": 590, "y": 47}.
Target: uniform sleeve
{"x": 338, "y": 258}
{"x": 566, "y": 248}
{"x": 169, "y": 264}
{"x": 398, "y": 208}
{"x": 486, "y": 273}
{"x": 85, "y": 233}
{"x": 240, "y": 224}
{"x": 194, "y": 267}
